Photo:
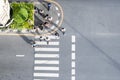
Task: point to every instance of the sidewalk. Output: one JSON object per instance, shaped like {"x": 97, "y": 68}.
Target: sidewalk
{"x": 55, "y": 13}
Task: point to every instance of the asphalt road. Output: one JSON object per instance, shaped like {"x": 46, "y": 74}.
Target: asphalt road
{"x": 13, "y": 67}
{"x": 96, "y": 26}
{"x": 95, "y": 23}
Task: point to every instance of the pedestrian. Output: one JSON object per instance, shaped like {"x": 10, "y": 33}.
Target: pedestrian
{"x": 47, "y": 24}
{"x": 34, "y": 44}
{"x": 57, "y": 35}
{"x": 47, "y": 39}
{"x": 41, "y": 38}
{"x": 45, "y": 16}
{"x": 35, "y": 9}
{"x": 41, "y": 27}
{"x": 37, "y": 29}
{"x": 63, "y": 30}
{"x": 41, "y": 11}
{"x": 49, "y": 18}
{"x": 49, "y": 6}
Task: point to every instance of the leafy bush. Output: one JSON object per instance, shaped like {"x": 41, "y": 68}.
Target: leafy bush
{"x": 23, "y": 14}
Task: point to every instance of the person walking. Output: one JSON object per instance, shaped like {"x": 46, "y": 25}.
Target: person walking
{"x": 49, "y": 6}
{"x": 47, "y": 25}
{"x": 63, "y": 30}
{"x": 47, "y": 39}
{"x": 34, "y": 44}
{"x": 57, "y": 34}
{"x": 41, "y": 38}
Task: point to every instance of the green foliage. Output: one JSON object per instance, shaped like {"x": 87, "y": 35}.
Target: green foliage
{"x": 22, "y": 15}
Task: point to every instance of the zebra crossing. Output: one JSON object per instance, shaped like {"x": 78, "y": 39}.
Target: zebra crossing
{"x": 46, "y": 59}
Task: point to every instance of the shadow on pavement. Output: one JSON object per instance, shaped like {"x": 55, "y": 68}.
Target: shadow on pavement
{"x": 111, "y": 61}
{"x": 37, "y": 21}
{"x": 27, "y": 39}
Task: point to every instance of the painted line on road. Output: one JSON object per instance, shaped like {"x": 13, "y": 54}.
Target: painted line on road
{"x": 73, "y": 77}
{"x": 73, "y": 39}
{"x": 58, "y": 14}
{"x": 46, "y": 55}
{"x": 52, "y": 27}
{"x": 45, "y": 43}
{"x": 20, "y": 55}
{"x": 57, "y": 22}
{"x": 46, "y": 61}
{"x": 56, "y": 8}
{"x": 39, "y": 79}
{"x": 46, "y": 68}
{"x": 51, "y": 37}
{"x": 73, "y": 56}
{"x": 46, "y": 75}
{"x": 73, "y": 63}
{"x": 73, "y": 72}
{"x": 47, "y": 49}
{"x": 73, "y": 47}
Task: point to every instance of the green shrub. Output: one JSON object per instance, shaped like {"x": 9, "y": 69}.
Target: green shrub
{"x": 23, "y": 15}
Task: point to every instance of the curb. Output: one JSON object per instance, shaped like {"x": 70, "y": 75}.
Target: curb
{"x": 25, "y": 31}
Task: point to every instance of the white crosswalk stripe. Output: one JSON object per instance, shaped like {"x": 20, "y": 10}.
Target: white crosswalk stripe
{"x": 46, "y": 49}
{"x": 51, "y": 37}
{"x": 46, "y": 68}
{"x": 46, "y": 55}
{"x": 46, "y": 62}
{"x": 46, "y": 58}
{"x": 44, "y": 43}
{"x": 46, "y": 75}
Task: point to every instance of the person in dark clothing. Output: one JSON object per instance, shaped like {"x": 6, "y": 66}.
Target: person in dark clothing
{"x": 57, "y": 34}
{"x": 63, "y": 30}
{"x": 49, "y": 6}
{"x": 47, "y": 39}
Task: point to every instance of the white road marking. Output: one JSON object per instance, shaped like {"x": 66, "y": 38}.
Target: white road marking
{"x": 73, "y": 77}
{"x": 73, "y": 56}
{"x": 46, "y": 75}
{"x": 73, "y": 71}
{"x": 37, "y": 37}
{"x": 52, "y": 27}
{"x": 51, "y": 37}
{"x": 46, "y": 62}
{"x": 73, "y": 39}
{"x": 46, "y": 55}
{"x": 56, "y": 8}
{"x": 73, "y": 47}
{"x": 39, "y": 79}
{"x": 45, "y": 43}
{"x": 58, "y": 14}
{"x": 57, "y": 22}
{"x": 46, "y": 68}
{"x": 47, "y": 49}
{"x": 20, "y": 55}
{"x": 73, "y": 64}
